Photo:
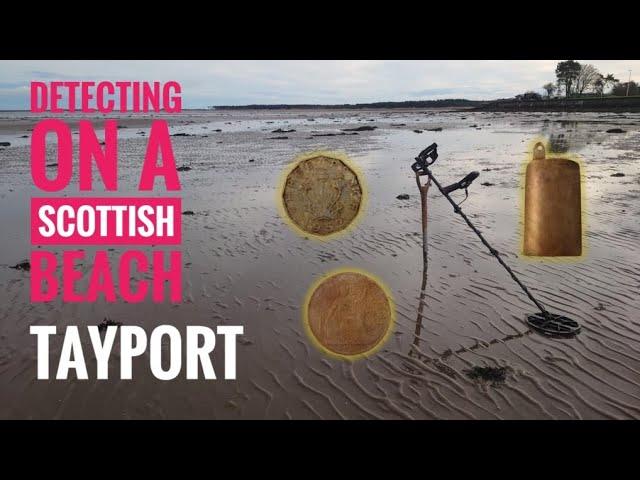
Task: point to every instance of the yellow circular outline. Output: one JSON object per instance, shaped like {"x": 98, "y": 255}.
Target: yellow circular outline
{"x": 583, "y": 199}
{"x": 305, "y": 313}
{"x": 340, "y": 156}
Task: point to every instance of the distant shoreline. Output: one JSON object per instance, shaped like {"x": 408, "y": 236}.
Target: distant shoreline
{"x": 583, "y": 104}
{"x": 411, "y": 104}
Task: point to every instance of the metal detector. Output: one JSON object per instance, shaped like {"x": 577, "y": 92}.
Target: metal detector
{"x": 547, "y": 323}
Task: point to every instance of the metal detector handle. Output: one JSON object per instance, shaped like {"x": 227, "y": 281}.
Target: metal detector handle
{"x": 431, "y": 152}
{"x": 424, "y": 159}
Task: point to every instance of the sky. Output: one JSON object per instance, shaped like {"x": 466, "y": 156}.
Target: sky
{"x": 241, "y": 82}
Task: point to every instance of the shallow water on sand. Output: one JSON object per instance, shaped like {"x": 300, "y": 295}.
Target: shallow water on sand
{"x": 243, "y": 265}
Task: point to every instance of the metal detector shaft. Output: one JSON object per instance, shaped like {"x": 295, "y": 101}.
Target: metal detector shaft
{"x": 492, "y": 250}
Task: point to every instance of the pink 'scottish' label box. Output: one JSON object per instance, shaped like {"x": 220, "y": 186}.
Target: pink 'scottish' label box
{"x": 106, "y": 221}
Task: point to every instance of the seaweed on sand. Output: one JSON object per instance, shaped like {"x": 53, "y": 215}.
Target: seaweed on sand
{"x": 107, "y": 322}
{"x": 494, "y": 375}
{"x": 23, "y": 265}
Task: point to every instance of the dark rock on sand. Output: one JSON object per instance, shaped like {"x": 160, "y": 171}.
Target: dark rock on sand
{"x": 184, "y": 168}
{"x": 24, "y": 136}
{"x": 615, "y": 130}
{"x": 217, "y": 130}
{"x": 364, "y": 128}
{"x": 487, "y": 184}
{"x": 107, "y": 322}
{"x": 417, "y": 131}
{"x": 252, "y": 160}
{"x": 51, "y": 165}
{"x": 398, "y": 124}
{"x": 619, "y": 174}
{"x": 5, "y": 144}
{"x": 278, "y": 138}
{"x": 437, "y": 129}
{"x": 188, "y": 212}
{"x": 333, "y": 134}
{"x": 182, "y": 135}
{"x": 283, "y": 131}
{"x": 23, "y": 265}
{"x": 403, "y": 196}
{"x": 495, "y": 375}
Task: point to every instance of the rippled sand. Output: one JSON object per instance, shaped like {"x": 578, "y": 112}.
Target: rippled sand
{"x": 243, "y": 265}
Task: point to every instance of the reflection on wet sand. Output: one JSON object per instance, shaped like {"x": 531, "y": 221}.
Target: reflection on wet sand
{"x": 424, "y": 190}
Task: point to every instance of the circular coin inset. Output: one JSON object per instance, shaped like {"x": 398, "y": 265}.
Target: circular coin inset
{"x": 322, "y": 195}
{"x": 349, "y": 313}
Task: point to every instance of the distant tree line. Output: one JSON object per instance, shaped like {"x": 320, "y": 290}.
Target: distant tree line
{"x": 443, "y": 103}
{"x": 574, "y": 79}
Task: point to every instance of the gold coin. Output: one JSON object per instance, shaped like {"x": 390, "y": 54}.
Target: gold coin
{"x": 322, "y": 195}
{"x": 349, "y": 313}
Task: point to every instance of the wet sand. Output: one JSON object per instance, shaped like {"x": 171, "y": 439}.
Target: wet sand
{"x": 243, "y": 265}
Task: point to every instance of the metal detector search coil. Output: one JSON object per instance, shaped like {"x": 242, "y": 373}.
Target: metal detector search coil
{"x": 544, "y": 322}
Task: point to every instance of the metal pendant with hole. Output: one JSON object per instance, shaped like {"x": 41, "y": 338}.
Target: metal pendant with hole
{"x": 552, "y": 207}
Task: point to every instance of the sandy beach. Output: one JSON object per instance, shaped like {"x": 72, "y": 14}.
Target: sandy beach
{"x": 243, "y": 265}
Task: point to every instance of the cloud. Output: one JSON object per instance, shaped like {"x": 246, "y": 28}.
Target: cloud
{"x": 434, "y": 91}
{"x": 291, "y": 81}
{"x": 40, "y": 75}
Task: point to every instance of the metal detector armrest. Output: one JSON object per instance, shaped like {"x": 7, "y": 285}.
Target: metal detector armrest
{"x": 464, "y": 183}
